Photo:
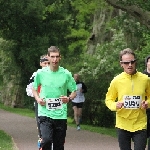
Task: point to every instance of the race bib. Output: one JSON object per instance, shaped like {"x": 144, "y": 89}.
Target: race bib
{"x": 53, "y": 103}
{"x": 132, "y": 102}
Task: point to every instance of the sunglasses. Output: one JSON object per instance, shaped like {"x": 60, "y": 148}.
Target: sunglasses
{"x": 128, "y": 62}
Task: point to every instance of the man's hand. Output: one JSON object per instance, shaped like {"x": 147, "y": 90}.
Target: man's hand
{"x": 64, "y": 99}
{"x": 41, "y": 101}
{"x": 144, "y": 104}
{"x": 119, "y": 105}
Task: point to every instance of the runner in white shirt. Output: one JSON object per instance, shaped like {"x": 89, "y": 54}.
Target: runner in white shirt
{"x": 77, "y": 102}
{"x": 43, "y": 63}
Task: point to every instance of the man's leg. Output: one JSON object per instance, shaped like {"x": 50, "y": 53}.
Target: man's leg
{"x": 46, "y": 128}
{"x": 148, "y": 148}
{"x": 36, "y": 116}
{"x": 79, "y": 112}
{"x": 124, "y": 139}
{"x": 140, "y": 139}
{"x": 76, "y": 115}
{"x": 60, "y": 127}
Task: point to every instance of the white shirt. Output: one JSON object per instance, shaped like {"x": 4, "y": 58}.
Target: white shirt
{"x": 80, "y": 96}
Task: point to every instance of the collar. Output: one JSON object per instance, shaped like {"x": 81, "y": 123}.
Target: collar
{"x": 129, "y": 75}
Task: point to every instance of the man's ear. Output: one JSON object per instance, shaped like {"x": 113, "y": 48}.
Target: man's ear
{"x": 121, "y": 65}
{"x": 40, "y": 64}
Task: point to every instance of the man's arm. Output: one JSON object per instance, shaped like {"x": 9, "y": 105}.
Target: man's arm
{"x": 72, "y": 87}
{"x": 35, "y": 93}
{"x": 30, "y": 85}
{"x": 72, "y": 95}
{"x": 66, "y": 99}
{"x": 111, "y": 96}
{"x": 29, "y": 90}
{"x": 37, "y": 97}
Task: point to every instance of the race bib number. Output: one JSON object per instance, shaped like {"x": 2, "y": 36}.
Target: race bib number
{"x": 132, "y": 102}
{"x": 53, "y": 103}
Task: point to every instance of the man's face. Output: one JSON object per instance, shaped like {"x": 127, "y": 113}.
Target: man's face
{"x": 128, "y": 63}
{"x": 148, "y": 64}
{"x": 54, "y": 59}
{"x": 76, "y": 77}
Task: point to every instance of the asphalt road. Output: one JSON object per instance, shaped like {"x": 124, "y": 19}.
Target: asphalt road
{"x": 24, "y": 133}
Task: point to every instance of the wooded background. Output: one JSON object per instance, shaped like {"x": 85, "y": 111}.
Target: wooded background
{"x": 89, "y": 33}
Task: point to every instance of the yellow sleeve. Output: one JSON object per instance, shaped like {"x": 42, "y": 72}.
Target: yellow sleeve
{"x": 111, "y": 96}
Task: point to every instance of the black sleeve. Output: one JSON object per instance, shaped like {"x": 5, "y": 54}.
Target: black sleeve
{"x": 84, "y": 88}
{"x": 31, "y": 80}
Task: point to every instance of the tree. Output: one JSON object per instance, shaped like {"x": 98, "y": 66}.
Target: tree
{"x": 137, "y": 8}
{"x": 34, "y": 25}
{"x": 32, "y": 29}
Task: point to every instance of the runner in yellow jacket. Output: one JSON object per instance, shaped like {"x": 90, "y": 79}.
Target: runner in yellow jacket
{"x": 126, "y": 96}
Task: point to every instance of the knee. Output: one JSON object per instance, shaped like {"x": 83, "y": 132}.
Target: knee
{"x": 46, "y": 139}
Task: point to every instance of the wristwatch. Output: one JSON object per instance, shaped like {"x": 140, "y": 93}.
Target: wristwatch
{"x": 70, "y": 99}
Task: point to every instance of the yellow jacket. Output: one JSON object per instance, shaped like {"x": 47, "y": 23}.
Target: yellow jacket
{"x": 132, "y": 85}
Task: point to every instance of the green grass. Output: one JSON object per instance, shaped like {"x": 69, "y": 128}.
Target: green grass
{"x": 20, "y": 111}
{"x": 6, "y": 142}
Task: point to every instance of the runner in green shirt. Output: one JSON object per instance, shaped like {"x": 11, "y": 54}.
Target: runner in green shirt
{"x": 52, "y": 100}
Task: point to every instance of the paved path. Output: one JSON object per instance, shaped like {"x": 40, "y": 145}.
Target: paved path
{"x": 24, "y": 133}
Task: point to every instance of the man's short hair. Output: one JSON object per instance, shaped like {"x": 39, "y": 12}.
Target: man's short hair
{"x": 53, "y": 49}
{"x": 43, "y": 58}
{"x": 126, "y": 51}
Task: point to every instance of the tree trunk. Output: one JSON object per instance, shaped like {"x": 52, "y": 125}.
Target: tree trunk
{"x": 139, "y": 13}
{"x": 10, "y": 88}
{"x": 100, "y": 34}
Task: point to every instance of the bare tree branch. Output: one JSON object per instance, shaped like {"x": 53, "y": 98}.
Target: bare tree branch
{"x": 142, "y": 15}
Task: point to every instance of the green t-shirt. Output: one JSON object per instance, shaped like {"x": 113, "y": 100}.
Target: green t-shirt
{"x": 53, "y": 85}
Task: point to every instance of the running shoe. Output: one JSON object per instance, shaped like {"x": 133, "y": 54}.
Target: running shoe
{"x": 78, "y": 128}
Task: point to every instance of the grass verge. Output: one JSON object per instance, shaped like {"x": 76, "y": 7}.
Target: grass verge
{"x": 20, "y": 111}
{"x": 6, "y": 142}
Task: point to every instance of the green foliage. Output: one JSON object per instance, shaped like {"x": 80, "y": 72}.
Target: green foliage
{"x": 95, "y": 113}
{"x": 101, "y": 67}
{"x": 132, "y": 29}
{"x": 6, "y": 57}
{"x": 32, "y": 26}
{"x": 79, "y": 37}
{"x": 83, "y": 15}
{"x": 79, "y": 28}
{"x": 139, "y": 3}
{"x": 97, "y": 71}
{"x": 24, "y": 29}
{"x": 35, "y": 25}
{"x": 142, "y": 54}
{"x": 98, "y": 114}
